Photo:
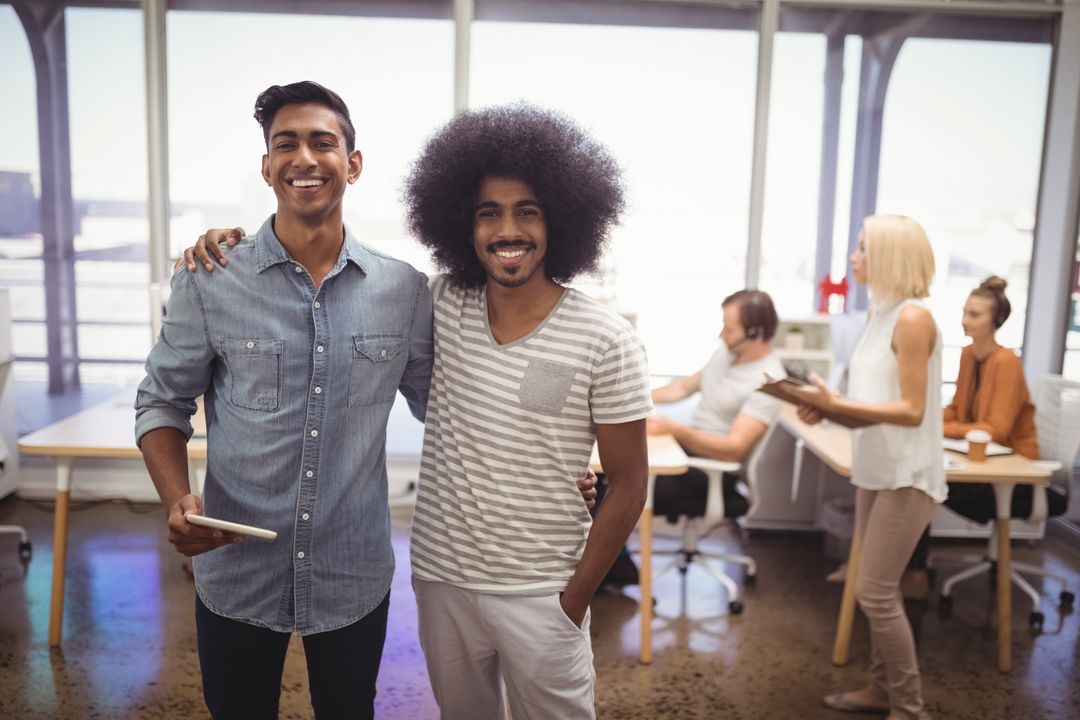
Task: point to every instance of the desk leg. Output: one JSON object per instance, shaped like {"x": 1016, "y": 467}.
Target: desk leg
{"x": 60, "y": 535}
{"x": 645, "y": 582}
{"x": 847, "y": 605}
{"x": 1003, "y": 505}
{"x": 645, "y": 574}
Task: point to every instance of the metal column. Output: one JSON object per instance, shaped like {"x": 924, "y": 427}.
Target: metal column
{"x": 830, "y": 148}
{"x": 157, "y": 134}
{"x": 464, "y": 11}
{"x": 1058, "y": 215}
{"x": 878, "y": 58}
{"x": 45, "y": 31}
{"x": 770, "y": 14}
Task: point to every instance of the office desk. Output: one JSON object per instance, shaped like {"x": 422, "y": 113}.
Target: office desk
{"x": 832, "y": 444}
{"x": 666, "y": 457}
{"x": 106, "y": 430}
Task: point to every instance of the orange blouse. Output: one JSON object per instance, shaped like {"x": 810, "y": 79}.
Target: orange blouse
{"x": 1001, "y": 406}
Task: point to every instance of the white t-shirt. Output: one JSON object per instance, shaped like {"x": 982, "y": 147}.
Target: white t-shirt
{"x": 728, "y": 390}
{"x": 509, "y": 431}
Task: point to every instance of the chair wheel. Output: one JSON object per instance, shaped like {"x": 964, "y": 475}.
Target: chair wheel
{"x": 1035, "y": 622}
{"x": 750, "y": 580}
{"x": 25, "y": 552}
{"x": 1067, "y": 599}
{"x": 944, "y": 606}
{"x": 735, "y": 607}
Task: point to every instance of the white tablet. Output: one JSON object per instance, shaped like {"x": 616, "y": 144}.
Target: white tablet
{"x": 231, "y": 526}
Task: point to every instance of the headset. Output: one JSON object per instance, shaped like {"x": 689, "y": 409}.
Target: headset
{"x": 750, "y": 333}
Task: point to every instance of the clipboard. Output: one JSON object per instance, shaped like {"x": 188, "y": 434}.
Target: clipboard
{"x": 784, "y": 389}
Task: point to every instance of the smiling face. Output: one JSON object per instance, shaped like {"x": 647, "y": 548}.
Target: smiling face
{"x": 307, "y": 163}
{"x": 509, "y": 232}
{"x": 978, "y": 319}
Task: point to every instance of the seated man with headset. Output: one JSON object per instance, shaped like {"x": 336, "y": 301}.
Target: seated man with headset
{"x": 730, "y": 417}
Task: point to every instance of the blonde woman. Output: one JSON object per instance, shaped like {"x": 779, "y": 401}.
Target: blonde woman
{"x": 895, "y": 386}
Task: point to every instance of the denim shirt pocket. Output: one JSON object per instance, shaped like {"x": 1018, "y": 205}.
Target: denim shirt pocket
{"x": 254, "y": 372}
{"x": 372, "y": 380}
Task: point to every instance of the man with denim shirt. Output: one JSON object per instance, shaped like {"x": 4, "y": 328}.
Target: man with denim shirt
{"x": 299, "y": 350}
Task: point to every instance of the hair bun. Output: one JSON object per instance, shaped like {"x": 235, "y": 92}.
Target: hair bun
{"x": 994, "y": 282}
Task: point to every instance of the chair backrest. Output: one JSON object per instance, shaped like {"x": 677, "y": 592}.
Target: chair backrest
{"x": 1057, "y": 421}
{"x": 752, "y": 466}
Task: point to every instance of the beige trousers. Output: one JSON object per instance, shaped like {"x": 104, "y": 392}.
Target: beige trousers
{"x": 890, "y": 522}
{"x": 482, "y": 650}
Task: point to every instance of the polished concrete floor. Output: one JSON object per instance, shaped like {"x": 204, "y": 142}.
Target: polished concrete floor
{"x": 129, "y": 644}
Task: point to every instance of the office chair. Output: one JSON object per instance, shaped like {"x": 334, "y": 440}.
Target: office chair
{"x": 700, "y": 521}
{"x": 1057, "y": 422}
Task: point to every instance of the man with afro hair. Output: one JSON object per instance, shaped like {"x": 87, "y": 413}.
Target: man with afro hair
{"x": 514, "y": 202}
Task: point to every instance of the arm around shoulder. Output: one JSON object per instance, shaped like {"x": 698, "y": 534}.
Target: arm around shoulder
{"x": 416, "y": 379}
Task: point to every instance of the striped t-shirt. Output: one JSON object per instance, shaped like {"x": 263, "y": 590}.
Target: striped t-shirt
{"x": 509, "y": 430}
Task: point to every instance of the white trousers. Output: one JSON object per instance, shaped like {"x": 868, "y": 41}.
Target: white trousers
{"x": 482, "y": 648}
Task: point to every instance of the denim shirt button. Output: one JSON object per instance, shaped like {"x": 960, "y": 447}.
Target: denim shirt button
{"x": 300, "y": 554}
{"x": 305, "y": 516}
{"x": 309, "y": 473}
{"x": 314, "y": 433}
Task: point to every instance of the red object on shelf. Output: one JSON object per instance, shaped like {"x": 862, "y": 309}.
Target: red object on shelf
{"x": 827, "y": 288}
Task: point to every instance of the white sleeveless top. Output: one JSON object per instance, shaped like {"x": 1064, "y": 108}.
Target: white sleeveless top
{"x": 889, "y": 457}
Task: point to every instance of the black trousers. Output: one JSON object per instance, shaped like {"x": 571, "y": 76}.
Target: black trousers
{"x": 242, "y": 665}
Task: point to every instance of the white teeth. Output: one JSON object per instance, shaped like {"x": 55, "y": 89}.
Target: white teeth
{"x": 306, "y": 183}
{"x": 509, "y": 253}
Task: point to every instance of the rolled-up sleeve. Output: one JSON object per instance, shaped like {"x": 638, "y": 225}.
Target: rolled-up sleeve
{"x": 416, "y": 379}
{"x": 180, "y": 365}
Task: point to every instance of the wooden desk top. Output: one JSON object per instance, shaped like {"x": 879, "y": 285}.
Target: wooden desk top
{"x": 105, "y": 430}
{"x": 832, "y": 444}
{"x": 666, "y": 457}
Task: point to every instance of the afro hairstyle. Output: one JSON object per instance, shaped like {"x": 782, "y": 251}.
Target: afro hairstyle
{"x": 576, "y": 179}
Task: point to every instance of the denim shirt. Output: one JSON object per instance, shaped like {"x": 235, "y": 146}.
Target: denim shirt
{"x": 298, "y": 385}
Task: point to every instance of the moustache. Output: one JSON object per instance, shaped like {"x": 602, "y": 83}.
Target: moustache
{"x": 504, "y": 244}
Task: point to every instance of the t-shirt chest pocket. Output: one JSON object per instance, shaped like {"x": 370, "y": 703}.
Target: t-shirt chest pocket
{"x": 546, "y": 386}
{"x": 373, "y": 378}
{"x": 254, "y": 372}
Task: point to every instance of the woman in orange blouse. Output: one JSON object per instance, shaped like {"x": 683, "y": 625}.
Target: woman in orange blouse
{"x": 991, "y": 395}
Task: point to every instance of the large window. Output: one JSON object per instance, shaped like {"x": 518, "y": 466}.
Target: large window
{"x": 961, "y": 151}
{"x": 676, "y": 106}
{"x": 21, "y": 268}
{"x": 794, "y": 169}
{"x": 395, "y": 75}
{"x": 108, "y": 175}
{"x": 109, "y": 185}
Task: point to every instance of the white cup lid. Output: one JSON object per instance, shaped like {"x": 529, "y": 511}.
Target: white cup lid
{"x": 979, "y": 436}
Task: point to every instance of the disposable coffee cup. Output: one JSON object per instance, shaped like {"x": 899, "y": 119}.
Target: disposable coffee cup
{"x": 977, "y": 442}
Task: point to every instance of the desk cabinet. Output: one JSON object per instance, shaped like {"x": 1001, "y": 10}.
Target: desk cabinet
{"x": 9, "y": 450}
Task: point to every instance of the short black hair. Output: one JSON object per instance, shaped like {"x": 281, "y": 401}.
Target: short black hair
{"x": 576, "y": 179}
{"x": 756, "y": 313}
{"x": 276, "y": 97}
